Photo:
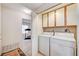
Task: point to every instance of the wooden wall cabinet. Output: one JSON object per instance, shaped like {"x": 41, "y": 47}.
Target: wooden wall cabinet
{"x": 64, "y": 16}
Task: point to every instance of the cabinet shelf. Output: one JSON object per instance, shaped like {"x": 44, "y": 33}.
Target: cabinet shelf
{"x": 61, "y": 26}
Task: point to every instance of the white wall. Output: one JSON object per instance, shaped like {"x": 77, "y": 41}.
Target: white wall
{"x": 0, "y": 20}
{"x": 26, "y": 47}
{"x": 78, "y": 28}
{"x": 11, "y": 28}
{"x": 0, "y": 29}
{"x": 77, "y": 23}
{"x": 36, "y": 30}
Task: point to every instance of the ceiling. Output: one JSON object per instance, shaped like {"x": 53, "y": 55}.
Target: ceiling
{"x": 39, "y": 7}
{"x": 27, "y": 7}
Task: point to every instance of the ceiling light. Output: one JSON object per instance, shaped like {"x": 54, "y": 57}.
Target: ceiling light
{"x": 28, "y": 11}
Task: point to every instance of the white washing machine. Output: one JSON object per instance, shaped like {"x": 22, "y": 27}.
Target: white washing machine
{"x": 62, "y": 44}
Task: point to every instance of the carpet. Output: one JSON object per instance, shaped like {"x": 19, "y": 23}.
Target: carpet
{"x": 15, "y": 52}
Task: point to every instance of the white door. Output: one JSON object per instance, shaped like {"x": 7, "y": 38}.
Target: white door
{"x": 44, "y": 45}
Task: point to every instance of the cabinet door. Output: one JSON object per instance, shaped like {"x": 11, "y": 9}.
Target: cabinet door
{"x": 51, "y": 19}
{"x": 72, "y": 14}
{"x": 45, "y": 19}
{"x": 60, "y": 17}
{"x": 44, "y": 45}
